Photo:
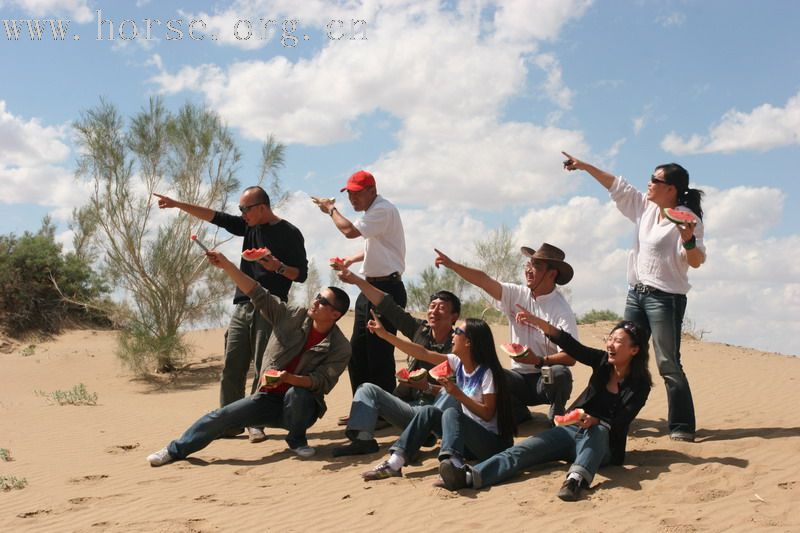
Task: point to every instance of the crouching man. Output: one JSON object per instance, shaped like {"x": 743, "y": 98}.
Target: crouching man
{"x": 305, "y": 356}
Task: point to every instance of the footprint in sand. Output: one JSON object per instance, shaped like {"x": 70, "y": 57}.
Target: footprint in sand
{"x": 33, "y": 514}
{"x": 94, "y": 478}
{"x": 121, "y": 448}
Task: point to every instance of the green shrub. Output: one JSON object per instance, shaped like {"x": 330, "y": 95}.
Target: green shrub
{"x": 604, "y": 315}
{"x": 78, "y": 395}
{"x": 10, "y": 482}
{"x": 5, "y": 454}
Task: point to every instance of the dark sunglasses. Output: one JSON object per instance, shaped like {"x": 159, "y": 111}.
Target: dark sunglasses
{"x": 245, "y": 208}
{"x": 458, "y": 331}
{"x": 321, "y": 300}
{"x": 655, "y": 181}
{"x": 631, "y": 328}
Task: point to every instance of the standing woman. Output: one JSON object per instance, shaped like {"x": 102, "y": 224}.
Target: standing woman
{"x": 657, "y": 271}
{"x": 481, "y": 426}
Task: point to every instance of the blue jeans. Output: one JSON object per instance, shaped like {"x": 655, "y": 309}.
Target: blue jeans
{"x": 528, "y": 389}
{"x": 371, "y": 401}
{"x": 587, "y": 449}
{"x": 661, "y": 314}
{"x": 461, "y": 435}
{"x": 245, "y": 341}
{"x": 296, "y": 411}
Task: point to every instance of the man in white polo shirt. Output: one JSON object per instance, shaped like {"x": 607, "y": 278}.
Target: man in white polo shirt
{"x": 529, "y": 384}
{"x": 383, "y": 257}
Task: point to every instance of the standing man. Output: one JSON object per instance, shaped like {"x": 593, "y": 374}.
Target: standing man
{"x": 544, "y": 270}
{"x": 383, "y": 257}
{"x": 248, "y": 332}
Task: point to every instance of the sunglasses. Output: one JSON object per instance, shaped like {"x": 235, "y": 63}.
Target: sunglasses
{"x": 458, "y": 331}
{"x": 321, "y": 300}
{"x": 655, "y": 181}
{"x": 245, "y": 208}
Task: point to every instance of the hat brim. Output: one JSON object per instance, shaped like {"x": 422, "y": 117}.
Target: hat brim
{"x": 565, "y": 271}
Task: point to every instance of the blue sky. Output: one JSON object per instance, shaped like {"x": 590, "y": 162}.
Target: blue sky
{"x": 460, "y": 109}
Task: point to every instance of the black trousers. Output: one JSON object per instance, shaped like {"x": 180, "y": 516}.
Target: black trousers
{"x": 373, "y": 358}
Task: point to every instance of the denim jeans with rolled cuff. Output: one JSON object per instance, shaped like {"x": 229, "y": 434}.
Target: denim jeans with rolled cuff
{"x": 529, "y": 389}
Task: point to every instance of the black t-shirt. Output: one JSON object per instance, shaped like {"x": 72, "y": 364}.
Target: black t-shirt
{"x": 284, "y": 241}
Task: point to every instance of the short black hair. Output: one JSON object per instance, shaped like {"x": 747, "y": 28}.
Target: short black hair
{"x": 447, "y": 296}
{"x": 261, "y": 195}
{"x": 342, "y": 300}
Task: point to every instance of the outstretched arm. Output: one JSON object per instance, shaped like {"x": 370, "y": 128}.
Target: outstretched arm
{"x": 342, "y": 224}
{"x": 479, "y": 278}
{"x": 604, "y": 178}
{"x": 411, "y": 348}
{"x": 242, "y": 280}
{"x": 197, "y": 211}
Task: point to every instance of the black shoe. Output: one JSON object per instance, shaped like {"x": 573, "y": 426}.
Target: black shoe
{"x": 430, "y": 440}
{"x": 356, "y": 447}
{"x": 570, "y": 490}
{"x": 454, "y": 478}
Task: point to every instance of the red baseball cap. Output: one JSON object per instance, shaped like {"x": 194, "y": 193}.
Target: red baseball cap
{"x": 359, "y": 181}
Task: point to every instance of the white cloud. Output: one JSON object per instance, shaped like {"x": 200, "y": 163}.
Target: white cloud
{"x": 672, "y": 20}
{"x": 77, "y": 10}
{"x": 764, "y": 128}
{"x": 554, "y": 86}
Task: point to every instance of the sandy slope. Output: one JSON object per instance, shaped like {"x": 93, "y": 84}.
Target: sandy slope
{"x": 86, "y": 470}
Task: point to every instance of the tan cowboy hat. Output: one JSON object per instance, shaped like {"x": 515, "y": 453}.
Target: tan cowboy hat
{"x": 555, "y": 258}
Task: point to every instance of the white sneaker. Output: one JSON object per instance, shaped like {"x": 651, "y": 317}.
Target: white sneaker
{"x": 161, "y": 457}
{"x": 304, "y": 451}
{"x": 256, "y": 435}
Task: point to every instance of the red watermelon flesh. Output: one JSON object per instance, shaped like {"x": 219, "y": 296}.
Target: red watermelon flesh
{"x": 679, "y": 217}
{"x": 573, "y": 417}
{"x": 402, "y": 374}
{"x": 418, "y": 375}
{"x": 514, "y": 350}
{"x": 337, "y": 263}
{"x": 254, "y": 254}
{"x": 442, "y": 371}
{"x": 271, "y": 376}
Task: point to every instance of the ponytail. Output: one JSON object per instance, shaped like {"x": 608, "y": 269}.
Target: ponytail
{"x": 678, "y": 177}
{"x": 691, "y": 198}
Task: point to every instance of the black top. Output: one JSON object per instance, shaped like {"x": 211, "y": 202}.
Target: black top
{"x": 284, "y": 241}
{"x": 619, "y": 412}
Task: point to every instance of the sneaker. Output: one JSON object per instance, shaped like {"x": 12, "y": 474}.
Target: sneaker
{"x": 682, "y": 436}
{"x": 570, "y": 490}
{"x": 356, "y": 447}
{"x": 256, "y": 435}
{"x": 161, "y": 457}
{"x": 304, "y": 451}
{"x": 454, "y": 478}
{"x": 382, "y": 471}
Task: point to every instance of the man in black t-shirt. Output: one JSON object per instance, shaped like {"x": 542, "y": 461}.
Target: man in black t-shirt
{"x": 248, "y": 333}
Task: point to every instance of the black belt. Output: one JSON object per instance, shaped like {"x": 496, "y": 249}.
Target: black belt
{"x": 641, "y": 288}
{"x": 394, "y": 276}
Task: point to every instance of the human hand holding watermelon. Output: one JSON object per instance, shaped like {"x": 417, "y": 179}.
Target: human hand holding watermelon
{"x": 515, "y": 351}
{"x": 338, "y": 263}
{"x": 271, "y": 379}
{"x": 573, "y": 417}
{"x": 255, "y": 254}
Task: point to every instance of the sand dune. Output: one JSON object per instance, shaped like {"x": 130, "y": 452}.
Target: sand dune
{"x": 86, "y": 471}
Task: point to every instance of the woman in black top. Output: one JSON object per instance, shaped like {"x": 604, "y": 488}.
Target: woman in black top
{"x": 617, "y": 390}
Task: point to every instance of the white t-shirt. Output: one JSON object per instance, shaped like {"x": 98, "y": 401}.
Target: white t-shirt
{"x": 476, "y": 393}
{"x": 384, "y": 239}
{"x": 551, "y": 307}
{"x": 658, "y": 257}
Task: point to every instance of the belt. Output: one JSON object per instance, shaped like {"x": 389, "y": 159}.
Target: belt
{"x": 394, "y": 276}
{"x": 646, "y": 289}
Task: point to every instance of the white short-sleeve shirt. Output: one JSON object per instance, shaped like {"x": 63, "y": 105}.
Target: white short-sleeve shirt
{"x": 384, "y": 239}
{"x": 476, "y": 393}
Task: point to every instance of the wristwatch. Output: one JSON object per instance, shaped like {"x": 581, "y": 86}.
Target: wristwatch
{"x": 281, "y": 269}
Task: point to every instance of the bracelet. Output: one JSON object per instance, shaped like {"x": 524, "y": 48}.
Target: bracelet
{"x": 281, "y": 269}
{"x": 690, "y": 244}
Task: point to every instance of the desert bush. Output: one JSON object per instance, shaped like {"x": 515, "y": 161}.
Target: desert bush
{"x": 41, "y": 288}
{"x": 10, "y": 483}
{"x": 5, "y": 454}
{"x": 603, "y": 315}
{"x": 77, "y": 395}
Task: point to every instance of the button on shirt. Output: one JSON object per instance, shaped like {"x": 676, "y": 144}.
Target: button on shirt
{"x": 551, "y": 307}
{"x": 384, "y": 239}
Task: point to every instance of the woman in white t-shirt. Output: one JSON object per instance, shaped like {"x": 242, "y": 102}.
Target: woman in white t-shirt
{"x": 481, "y": 426}
{"x": 658, "y": 268}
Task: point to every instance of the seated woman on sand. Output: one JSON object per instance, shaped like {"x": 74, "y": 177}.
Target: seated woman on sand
{"x": 483, "y": 424}
{"x": 617, "y": 390}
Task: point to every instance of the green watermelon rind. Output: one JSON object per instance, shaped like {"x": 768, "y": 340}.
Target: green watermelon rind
{"x": 675, "y": 220}
{"x": 433, "y": 372}
{"x": 253, "y": 259}
{"x": 271, "y": 378}
{"x": 418, "y": 375}
{"x": 520, "y": 355}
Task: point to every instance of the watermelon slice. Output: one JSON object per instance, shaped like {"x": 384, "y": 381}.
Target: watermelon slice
{"x": 402, "y": 375}
{"x": 254, "y": 254}
{"x": 442, "y": 370}
{"x": 679, "y": 217}
{"x": 198, "y": 243}
{"x": 272, "y": 375}
{"x": 514, "y": 350}
{"x": 417, "y": 375}
{"x": 337, "y": 263}
{"x": 573, "y": 417}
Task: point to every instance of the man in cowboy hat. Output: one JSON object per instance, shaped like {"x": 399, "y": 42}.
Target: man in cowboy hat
{"x": 544, "y": 270}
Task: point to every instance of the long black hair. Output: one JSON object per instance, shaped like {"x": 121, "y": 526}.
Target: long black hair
{"x": 678, "y": 177}
{"x": 484, "y": 353}
{"x": 640, "y": 364}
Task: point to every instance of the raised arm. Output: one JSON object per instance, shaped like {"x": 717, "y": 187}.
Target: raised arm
{"x": 411, "y": 348}
{"x": 346, "y": 227}
{"x": 604, "y": 178}
{"x": 479, "y": 278}
{"x": 197, "y": 211}
{"x": 242, "y": 280}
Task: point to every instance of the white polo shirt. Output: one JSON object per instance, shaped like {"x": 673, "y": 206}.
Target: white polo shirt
{"x": 384, "y": 239}
{"x": 551, "y": 307}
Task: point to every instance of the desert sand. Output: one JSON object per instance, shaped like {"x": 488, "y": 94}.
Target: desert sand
{"x": 86, "y": 471}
